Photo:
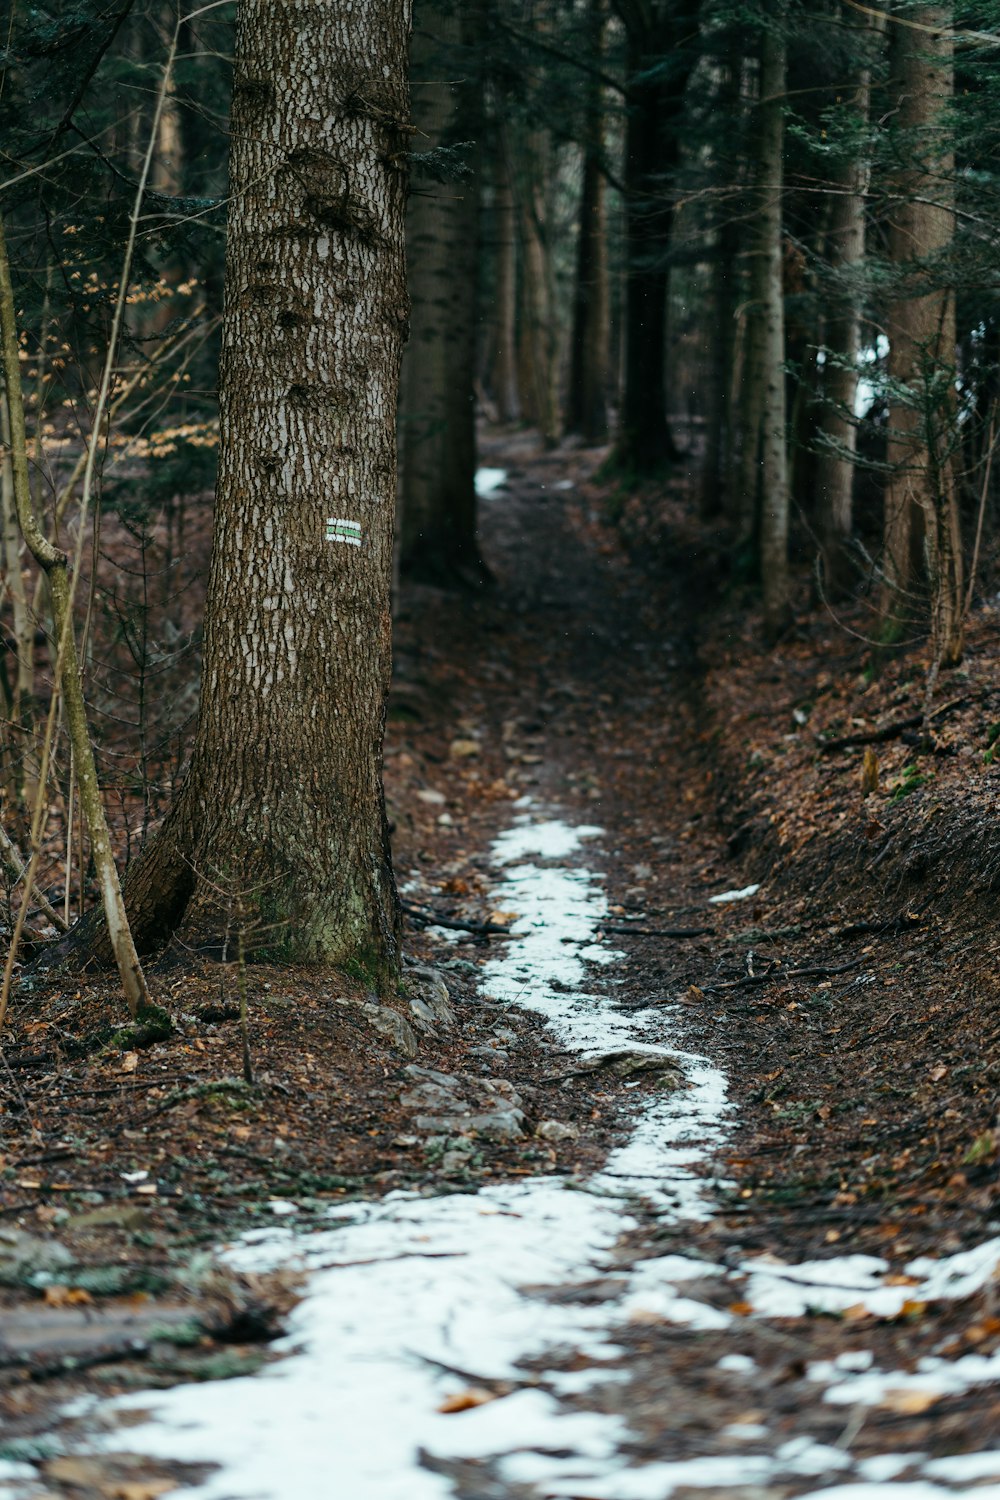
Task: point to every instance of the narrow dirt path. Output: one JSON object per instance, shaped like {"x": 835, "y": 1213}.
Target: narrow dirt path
{"x": 658, "y": 1330}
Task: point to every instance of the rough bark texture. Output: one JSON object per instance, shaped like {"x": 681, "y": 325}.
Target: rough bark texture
{"x": 437, "y": 391}
{"x": 586, "y": 406}
{"x": 921, "y": 510}
{"x": 280, "y": 829}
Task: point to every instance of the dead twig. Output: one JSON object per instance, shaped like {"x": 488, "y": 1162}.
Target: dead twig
{"x": 890, "y": 731}
{"x": 431, "y": 919}
{"x": 771, "y": 976}
{"x": 662, "y": 932}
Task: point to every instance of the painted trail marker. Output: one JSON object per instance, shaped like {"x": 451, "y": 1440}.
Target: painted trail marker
{"x": 344, "y": 531}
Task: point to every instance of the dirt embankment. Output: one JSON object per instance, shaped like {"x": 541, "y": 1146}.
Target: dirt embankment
{"x": 864, "y": 987}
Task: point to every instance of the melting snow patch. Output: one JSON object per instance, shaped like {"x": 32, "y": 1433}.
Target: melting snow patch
{"x": 777, "y": 1290}
{"x": 488, "y": 481}
{"x": 726, "y": 896}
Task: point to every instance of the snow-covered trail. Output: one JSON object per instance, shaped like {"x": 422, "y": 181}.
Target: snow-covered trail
{"x": 413, "y": 1300}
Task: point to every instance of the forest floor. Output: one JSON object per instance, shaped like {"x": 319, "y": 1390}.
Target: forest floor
{"x": 613, "y": 674}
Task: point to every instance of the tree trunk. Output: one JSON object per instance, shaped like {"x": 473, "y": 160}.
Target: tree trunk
{"x": 920, "y": 500}
{"x": 17, "y": 753}
{"x": 503, "y": 373}
{"x": 834, "y": 473}
{"x": 538, "y": 366}
{"x": 767, "y": 292}
{"x": 720, "y": 415}
{"x": 279, "y": 832}
{"x": 437, "y": 430}
{"x": 651, "y": 153}
{"x": 586, "y": 408}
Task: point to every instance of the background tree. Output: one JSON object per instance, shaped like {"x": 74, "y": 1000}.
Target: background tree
{"x": 437, "y": 392}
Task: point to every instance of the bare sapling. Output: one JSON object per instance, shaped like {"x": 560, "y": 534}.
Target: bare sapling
{"x": 55, "y": 564}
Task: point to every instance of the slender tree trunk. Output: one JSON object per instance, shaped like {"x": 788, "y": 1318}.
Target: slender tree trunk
{"x": 920, "y": 500}
{"x": 54, "y": 563}
{"x": 23, "y": 686}
{"x": 503, "y": 373}
{"x": 282, "y": 814}
{"x": 437, "y": 389}
{"x": 586, "y": 407}
{"x": 720, "y": 413}
{"x": 538, "y": 367}
{"x": 767, "y": 292}
{"x": 835, "y": 467}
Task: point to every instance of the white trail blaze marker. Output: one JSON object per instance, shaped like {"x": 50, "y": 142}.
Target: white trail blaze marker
{"x": 344, "y": 531}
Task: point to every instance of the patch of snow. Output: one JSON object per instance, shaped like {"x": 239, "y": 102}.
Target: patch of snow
{"x": 726, "y": 896}
{"x": 777, "y": 1290}
{"x": 488, "y": 481}
{"x": 965, "y": 1468}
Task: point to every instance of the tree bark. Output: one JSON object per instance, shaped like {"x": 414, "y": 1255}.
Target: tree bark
{"x": 921, "y": 509}
{"x": 715, "y": 496}
{"x": 437, "y": 431}
{"x": 586, "y": 406}
{"x": 768, "y": 359}
{"x": 834, "y": 473}
{"x": 503, "y": 372}
{"x": 279, "y": 831}
{"x": 538, "y": 364}
{"x": 651, "y": 152}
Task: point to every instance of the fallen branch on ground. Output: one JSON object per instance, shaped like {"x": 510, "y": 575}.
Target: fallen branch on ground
{"x": 431, "y": 919}
{"x": 889, "y": 731}
{"x": 664, "y": 932}
{"x": 771, "y": 976}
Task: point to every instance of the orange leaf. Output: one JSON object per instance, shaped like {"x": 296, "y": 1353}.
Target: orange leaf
{"x": 473, "y": 1395}
{"x": 909, "y": 1403}
{"x": 66, "y": 1296}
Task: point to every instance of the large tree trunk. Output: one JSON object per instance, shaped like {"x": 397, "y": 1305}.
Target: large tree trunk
{"x": 586, "y": 406}
{"x": 437, "y": 390}
{"x": 280, "y": 829}
{"x": 921, "y": 509}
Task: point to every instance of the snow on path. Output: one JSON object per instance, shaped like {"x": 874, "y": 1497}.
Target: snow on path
{"x": 411, "y": 1298}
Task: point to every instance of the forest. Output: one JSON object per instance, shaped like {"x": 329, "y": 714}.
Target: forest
{"x": 499, "y": 590}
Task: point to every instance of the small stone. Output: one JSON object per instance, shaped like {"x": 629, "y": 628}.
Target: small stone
{"x": 464, "y": 749}
{"x": 394, "y": 1027}
{"x": 557, "y": 1130}
{"x": 429, "y": 795}
{"x": 23, "y": 1255}
{"x": 426, "y": 984}
{"x": 446, "y": 820}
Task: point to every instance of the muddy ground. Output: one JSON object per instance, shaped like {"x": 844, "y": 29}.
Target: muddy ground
{"x": 614, "y": 672}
